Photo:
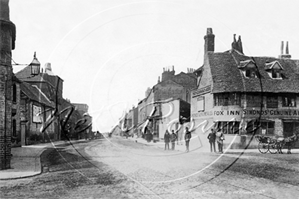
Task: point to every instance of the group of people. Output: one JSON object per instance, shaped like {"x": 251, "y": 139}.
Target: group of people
{"x": 174, "y": 136}
{"x": 213, "y": 136}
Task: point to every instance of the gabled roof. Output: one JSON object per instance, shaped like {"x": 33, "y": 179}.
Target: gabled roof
{"x": 271, "y": 65}
{"x": 25, "y": 75}
{"x": 244, "y": 64}
{"x": 227, "y": 77}
{"x": 166, "y": 82}
{"x": 35, "y": 94}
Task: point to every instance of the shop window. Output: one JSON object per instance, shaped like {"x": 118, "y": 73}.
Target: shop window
{"x": 252, "y": 127}
{"x": 254, "y": 100}
{"x": 267, "y": 127}
{"x": 290, "y": 127}
{"x": 289, "y": 100}
{"x": 272, "y": 101}
{"x": 229, "y": 127}
{"x": 227, "y": 99}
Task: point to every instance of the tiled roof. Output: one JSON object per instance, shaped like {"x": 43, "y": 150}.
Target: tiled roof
{"x": 227, "y": 76}
{"x": 35, "y": 94}
{"x": 25, "y": 75}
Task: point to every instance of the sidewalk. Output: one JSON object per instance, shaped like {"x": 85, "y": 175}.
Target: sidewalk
{"x": 196, "y": 146}
{"x": 26, "y": 161}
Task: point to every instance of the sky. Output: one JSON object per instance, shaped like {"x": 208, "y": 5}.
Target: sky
{"x": 108, "y": 52}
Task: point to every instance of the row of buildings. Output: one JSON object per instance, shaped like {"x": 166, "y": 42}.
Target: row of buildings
{"x": 32, "y": 107}
{"x": 38, "y": 97}
{"x": 167, "y": 101}
{"x": 237, "y": 93}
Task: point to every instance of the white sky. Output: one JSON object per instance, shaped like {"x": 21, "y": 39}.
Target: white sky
{"x": 109, "y": 51}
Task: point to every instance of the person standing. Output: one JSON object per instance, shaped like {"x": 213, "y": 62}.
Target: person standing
{"x": 220, "y": 137}
{"x": 212, "y": 140}
{"x": 187, "y": 138}
{"x": 167, "y": 140}
{"x": 173, "y": 139}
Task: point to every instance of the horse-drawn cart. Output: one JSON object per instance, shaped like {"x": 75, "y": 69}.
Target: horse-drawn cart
{"x": 279, "y": 145}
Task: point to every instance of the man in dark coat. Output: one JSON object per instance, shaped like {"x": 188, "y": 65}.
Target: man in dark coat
{"x": 187, "y": 138}
{"x": 167, "y": 140}
{"x": 212, "y": 140}
{"x": 173, "y": 139}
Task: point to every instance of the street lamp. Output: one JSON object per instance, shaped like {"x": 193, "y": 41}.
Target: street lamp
{"x": 35, "y": 66}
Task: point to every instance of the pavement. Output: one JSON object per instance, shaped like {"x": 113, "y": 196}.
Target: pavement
{"x": 26, "y": 160}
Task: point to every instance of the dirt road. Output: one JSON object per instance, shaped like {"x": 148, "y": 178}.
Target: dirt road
{"x": 169, "y": 174}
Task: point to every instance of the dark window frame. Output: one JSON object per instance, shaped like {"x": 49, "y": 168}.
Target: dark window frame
{"x": 289, "y": 100}
{"x": 272, "y": 101}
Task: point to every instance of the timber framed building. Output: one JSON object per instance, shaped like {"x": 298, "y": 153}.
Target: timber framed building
{"x": 239, "y": 93}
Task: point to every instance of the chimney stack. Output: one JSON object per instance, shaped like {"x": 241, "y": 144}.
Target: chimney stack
{"x": 209, "y": 41}
{"x": 237, "y": 45}
{"x": 287, "y": 48}
{"x": 286, "y": 55}
{"x": 4, "y": 10}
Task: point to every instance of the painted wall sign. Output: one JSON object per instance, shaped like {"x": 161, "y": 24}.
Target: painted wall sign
{"x": 36, "y": 116}
{"x": 201, "y": 91}
{"x": 250, "y": 113}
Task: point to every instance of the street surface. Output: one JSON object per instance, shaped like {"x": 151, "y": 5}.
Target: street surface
{"x": 122, "y": 168}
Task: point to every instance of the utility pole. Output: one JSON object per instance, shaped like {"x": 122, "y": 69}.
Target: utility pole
{"x": 7, "y": 43}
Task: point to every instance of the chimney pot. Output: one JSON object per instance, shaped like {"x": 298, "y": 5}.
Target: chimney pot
{"x": 287, "y": 48}
{"x": 281, "y": 49}
{"x": 209, "y": 44}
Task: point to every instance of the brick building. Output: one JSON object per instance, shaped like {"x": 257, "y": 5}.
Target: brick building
{"x": 7, "y": 43}
{"x": 239, "y": 93}
{"x": 170, "y": 87}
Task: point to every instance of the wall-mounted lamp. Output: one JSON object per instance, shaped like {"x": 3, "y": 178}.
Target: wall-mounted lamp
{"x": 35, "y": 66}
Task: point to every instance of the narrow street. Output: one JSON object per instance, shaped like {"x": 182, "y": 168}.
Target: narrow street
{"x": 122, "y": 168}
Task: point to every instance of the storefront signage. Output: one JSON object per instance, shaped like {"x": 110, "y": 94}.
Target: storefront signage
{"x": 36, "y": 114}
{"x": 248, "y": 112}
{"x": 202, "y": 91}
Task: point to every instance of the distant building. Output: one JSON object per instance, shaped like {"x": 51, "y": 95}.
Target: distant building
{"x": 81, "y": 108}
{"x": 239, "y": 94}
{"x": 172, "y": 87}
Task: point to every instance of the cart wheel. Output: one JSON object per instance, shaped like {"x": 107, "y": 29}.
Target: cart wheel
{"x": 273, "y": 148}
{"x": 263, "y": 147}
{"x": 285, "y": 148}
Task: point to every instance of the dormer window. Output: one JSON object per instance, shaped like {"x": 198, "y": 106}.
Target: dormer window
{"x": 274, "y": 69}
{"x": 250, "y": 73}
{"x": 248, "y": 68}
